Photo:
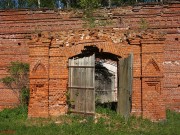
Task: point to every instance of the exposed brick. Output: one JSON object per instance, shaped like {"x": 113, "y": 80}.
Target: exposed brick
{"x": 58, "y": 35}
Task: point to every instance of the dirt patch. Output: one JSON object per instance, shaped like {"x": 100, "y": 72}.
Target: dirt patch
{"x": 7, "y": 131}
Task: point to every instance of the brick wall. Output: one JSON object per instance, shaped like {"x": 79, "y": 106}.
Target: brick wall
{"x": 58, "y": 35}
{"x": 49, "y": 65}
{"x": 12, "y": 48}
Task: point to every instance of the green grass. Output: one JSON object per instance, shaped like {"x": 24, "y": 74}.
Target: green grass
{"x": 107, "y": 122}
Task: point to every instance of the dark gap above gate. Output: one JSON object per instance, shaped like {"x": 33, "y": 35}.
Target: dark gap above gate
{"x": 93, "y": 49}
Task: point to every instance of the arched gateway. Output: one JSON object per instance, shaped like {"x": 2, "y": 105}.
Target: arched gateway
{"x": 69, "y": 61}
{"x": 91, "y": 80}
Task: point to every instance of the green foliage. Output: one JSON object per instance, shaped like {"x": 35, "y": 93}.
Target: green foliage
{"x": 48, "y": 3}
{"x": 17, "y": 69}
{"x": 7, "y": 80}
{"x": 13, "y": 114}
{"x": 90, "y": 21}
{"x": 22, "y": 3}
{"x": 143, "y": 24}
{"x": 32, "y": 3}
{"x": 69, "y": 102}
{"x": 89, "y": 4}
{"x": 104, "y": 22}
{"x": 88, "y": 7}
{"x": 18, "y": 81}
{"x": 6, "y": 4}
{"x": 12, "y": 119}
{"x": 25, "y": 95}
{"x": 106, "y": 122}
{"x": 102, "y": 71}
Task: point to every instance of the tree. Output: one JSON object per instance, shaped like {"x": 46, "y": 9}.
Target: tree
{"x": 6, "y": 4}
{"x": 18, "y": 81}
{"x": 89, "y": 6}
{"x": 47, "y": 3}
{"x": 109, "y": 3}
{"x": 68, "y": 2}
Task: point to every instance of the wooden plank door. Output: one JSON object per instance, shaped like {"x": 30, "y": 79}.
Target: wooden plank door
{"x": 81, "y": 84}
{"x": 125, "y": 74}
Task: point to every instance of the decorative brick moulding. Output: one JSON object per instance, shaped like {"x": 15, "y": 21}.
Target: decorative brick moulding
{"x": 47, "y": 40}
{"x": 49, "y": 68}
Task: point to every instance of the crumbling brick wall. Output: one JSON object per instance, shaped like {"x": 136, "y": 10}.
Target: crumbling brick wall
{"x": 49, "y": 56}
{"x": 16, "y": 28}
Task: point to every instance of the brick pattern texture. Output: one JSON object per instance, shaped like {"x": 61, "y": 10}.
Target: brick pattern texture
{"x": 47, "y": 39}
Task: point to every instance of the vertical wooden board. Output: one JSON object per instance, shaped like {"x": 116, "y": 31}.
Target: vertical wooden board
{"x": 130, "y": 81}
{"x": 75, "y": 76}
{"x": 73, "y": 99}
{"x": 125, "y": 86}
{"x": 82, "y": 78}
{"x": 82, "y": 85}
{"x": 90, "y": 102}
{"x": 79, "y": 100}
{"x": 81, "y": 103}
{"x": 121, "y": 94}
{"x": 92, "y": 71}
{"x": 93, "y": 74}
{"x": 69, "y": 74}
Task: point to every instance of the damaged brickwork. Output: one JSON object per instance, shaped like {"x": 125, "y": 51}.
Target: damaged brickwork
{"x": 47, "y": 39}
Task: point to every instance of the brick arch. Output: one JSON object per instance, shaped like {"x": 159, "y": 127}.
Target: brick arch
{"x": 153, "y": 62}
{"x": 115, "y": 49}
{"x": 152, "y": 68}
{"x": 38, "y": 68}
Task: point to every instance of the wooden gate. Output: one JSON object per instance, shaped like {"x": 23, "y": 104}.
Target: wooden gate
{"x": 81, "y": 85}
{"x": 125, "y": 86}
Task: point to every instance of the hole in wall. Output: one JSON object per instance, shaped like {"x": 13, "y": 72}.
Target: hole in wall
{"x": 179, "y": 85}
{"x": 39, "y": 34}
{"x": 176, "y": 39}
{"x": 39, "y": 85}
{"x": 19, "y": 44}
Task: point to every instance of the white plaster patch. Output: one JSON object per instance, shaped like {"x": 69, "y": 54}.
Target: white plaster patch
{"x": 172, "y": 63}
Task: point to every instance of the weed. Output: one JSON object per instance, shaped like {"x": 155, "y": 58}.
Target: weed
{"x": 18, "y": 81}
{"x": 106, "y": 122}
{"x": 143, "y": 24}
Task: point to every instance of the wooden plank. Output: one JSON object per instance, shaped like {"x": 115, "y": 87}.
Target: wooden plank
{"x": 130, "y": 80}
{"x": 90, "y": 88}
{"x": 81, "y": 66}
{"x": 81, "y": 84}
{"x": 125, "y": 86}
{"x": 90, "y": 95}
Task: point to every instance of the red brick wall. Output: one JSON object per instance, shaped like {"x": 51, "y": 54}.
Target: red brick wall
{"x": 12, "y": 48}
{"x": 52, "y": 59}
{"x": 172, "y": 71}
{"x": 158, "y": 59}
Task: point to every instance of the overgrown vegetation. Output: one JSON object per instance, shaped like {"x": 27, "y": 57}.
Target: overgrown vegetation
{"x": 9, "y": 4}
{"x": 88, "y": 7}
{"x": 106, "y": 122}
{"x": 143, "y": 24}
{"x": 18, "y": 81}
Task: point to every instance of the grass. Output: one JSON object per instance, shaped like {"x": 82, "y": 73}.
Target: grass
{"x": 106, "y": 122}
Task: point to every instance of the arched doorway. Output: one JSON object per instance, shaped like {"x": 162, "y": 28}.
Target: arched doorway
{"x": 94, "y": 77}
{"x": 106, "y": 79}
